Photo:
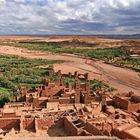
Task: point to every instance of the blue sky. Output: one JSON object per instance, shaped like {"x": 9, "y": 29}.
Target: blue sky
{"x": 69, "y": 16}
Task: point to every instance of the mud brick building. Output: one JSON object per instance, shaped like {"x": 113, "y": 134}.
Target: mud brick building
{"x": 129, "y": 103}
{"x": 60, "y": 110}
{"x": 56, "y": 91}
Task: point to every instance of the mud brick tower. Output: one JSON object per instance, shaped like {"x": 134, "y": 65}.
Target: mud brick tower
{"x": 103, "y": 100}
{"x": 51, "y": 73}
{"x": 60, "y": 79}
{"x": 77, "y": 91}
{"x": 35, "y": 102}
{"x": 87, "y": 85}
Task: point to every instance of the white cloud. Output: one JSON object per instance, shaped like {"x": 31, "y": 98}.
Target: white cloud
{"x": 69, "y": 16}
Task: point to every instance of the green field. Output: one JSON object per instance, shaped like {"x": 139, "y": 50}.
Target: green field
{"x": 16, "y": 72}
{"x": 116, "y": 56}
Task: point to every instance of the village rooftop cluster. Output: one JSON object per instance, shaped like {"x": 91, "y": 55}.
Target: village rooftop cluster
{"x": 57, "y": 110}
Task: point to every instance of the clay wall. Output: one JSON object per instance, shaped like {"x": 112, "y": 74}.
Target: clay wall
{"x": 86, "y": 76}
{"x": 82, "y": 87}
{"x": 29, "y": 124}
{"x": 72, "y": 100}
{"x": 9, "y": 115}
{"x": 77, "y": 91}
{"x": 85, "y": 133}
{"x": 87, "y": 100}
{"x": 76, "y": 74}
{"x": 16, "y": 104}
{"x": 121, "y": 103}
{"x": 97, "y": 110}
{"x": 8, "y": 124}
{"x": 135, "y": 99}
{"x": 61, "y": 100}
{"x": 82, "y": 122}
{"x": 51, "y": 73}
{"x": 122, "y": 134}
{"x": 53, "y": 100}
{"x": 92, "y": 129}
{"x": 42, "y": 103}
{"x": 103, "y": 99}
{"x": 44, "y": 92}
{"x": 35, "y": 102}
{"x": 87, "y": 88}
{"x": 125, "y": 104}
{"x": 109, "y": 102}
{"x": 44, "y": 123}
{"x": 70, "y": 127}
{"x": 128, "y": 135}
{"x": 138, "y": 117}
{"x": 70, "y": 87}
{"x": 64, "y": 101}
{"x": 59, "y": 123}
{"x": 29, "y": 99}
{"x": 23, "y": 92}
{"x": 134, "y": 107}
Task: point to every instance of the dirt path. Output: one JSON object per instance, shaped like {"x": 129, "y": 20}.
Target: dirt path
{"x": 123, "y": 79}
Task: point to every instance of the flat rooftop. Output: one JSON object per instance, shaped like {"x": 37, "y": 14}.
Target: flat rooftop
{"x": 134, "y": 132}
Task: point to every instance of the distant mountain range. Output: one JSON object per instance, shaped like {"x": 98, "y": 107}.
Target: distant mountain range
{"x": 113, "y": 36}
{"x": 117, "y": 36}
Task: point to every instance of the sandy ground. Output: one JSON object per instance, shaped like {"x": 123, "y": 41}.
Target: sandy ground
{"x": 58, "y": 38}
{"x": 123, "y": 79}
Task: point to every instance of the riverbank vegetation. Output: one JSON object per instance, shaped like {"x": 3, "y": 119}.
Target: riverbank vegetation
{"x": 118, "y": 56}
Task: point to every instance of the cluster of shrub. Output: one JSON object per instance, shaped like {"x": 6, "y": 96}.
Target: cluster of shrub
{"x": 75, "y": 46}
{"x": 16, "y": 72}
